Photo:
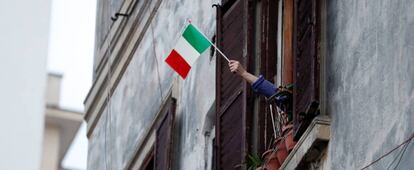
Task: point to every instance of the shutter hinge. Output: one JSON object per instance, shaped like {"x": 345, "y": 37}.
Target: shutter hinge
{"x": 216, "y": 5}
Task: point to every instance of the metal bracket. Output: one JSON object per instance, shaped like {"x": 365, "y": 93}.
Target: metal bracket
{"x": 114, "y": 18}
{"x": 216, "y": 5}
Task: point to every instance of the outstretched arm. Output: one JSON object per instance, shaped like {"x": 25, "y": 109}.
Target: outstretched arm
{"x": 259, "y": 84}
{"x": 236, "y": 67}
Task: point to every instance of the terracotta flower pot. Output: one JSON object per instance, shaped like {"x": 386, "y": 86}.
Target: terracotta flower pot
{"x": 270, "y": 160}
{"x": 290, "y": 144}
{"x": 287, "y": 127}
{"x": 288, "y": 135}
{"x": 281, "y": 151}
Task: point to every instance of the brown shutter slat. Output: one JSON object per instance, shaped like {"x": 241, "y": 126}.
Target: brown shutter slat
{"x": 306, "y": 59}
{"x": 230, "y": 101}
{"x": 164, "y": 139}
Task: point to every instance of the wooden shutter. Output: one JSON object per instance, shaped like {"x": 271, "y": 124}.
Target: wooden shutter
{"x": 306, "y": 54}
{"x": 230, "y": 89}
{"x": 164, "y": 138}
{"x": 268, "y": 47}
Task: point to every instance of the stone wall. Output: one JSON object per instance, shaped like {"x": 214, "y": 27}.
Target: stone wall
{"x": 370, "y": 81}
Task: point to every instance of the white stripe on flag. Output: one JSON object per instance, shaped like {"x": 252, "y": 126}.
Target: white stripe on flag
{"x": 186, "y": 51}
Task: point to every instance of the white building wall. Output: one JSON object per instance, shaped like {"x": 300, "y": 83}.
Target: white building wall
{"x": 24, "y": 48}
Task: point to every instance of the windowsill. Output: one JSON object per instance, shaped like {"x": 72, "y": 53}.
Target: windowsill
{"x": 308, "y": 148}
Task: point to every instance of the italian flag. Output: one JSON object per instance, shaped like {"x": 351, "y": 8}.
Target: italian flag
{"x": 189, "y": 47}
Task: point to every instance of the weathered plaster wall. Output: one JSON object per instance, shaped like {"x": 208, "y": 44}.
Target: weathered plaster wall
{"x": 370, "y": 81}
{"x": 139, "y": 94}
{"x": 105, "y": 9}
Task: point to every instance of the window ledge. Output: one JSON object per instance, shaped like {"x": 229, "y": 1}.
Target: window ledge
{"x": 310, "y": 145}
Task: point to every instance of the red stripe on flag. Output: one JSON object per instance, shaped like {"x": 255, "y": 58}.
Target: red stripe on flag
{"x": 178, "y": 64}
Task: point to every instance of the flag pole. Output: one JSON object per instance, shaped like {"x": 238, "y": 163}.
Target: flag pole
{"x": 225, "y": 57}
{"x": 215, "y": 47}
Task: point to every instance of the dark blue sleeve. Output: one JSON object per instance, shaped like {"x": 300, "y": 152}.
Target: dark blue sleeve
{"x": 264, "y": 87}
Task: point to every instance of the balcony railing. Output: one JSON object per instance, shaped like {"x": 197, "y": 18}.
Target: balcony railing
{"x": 287, "y": 128}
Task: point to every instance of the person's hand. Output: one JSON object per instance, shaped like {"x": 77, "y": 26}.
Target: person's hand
{"x": 236, "y": 67}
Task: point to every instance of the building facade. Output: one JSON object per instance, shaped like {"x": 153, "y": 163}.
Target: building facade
{"x": 347, "y": 61}
{"x": 60, "y": 128}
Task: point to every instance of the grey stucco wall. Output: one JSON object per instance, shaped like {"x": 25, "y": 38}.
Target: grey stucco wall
{"x": 105, "y": 9}
{"x": 139, "y": 95}
{"x": 370, "y": 81}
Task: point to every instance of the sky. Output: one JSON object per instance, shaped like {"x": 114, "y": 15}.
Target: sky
{"x": 71, "y": 50}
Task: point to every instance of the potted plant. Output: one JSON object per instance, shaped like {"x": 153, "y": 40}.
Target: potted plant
{"x": 252, "y": 163}
{"x": 275, "y": 157}
{"x": 270, "y": 160}
{"x": 281, "y": 150}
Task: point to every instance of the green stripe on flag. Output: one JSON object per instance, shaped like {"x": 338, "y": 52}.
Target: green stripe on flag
{"x": 196, "y": 38}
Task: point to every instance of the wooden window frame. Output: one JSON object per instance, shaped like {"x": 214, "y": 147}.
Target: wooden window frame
{"x": 167, "y": 120}
{"x": 287, "y": 42}
{"x": 232, "y": 125}
{"x": 317, "y": 134}
{"x": 268, "y": 61}
{"x": 150, "y": 157}
{"x": 289, "y": 51}
{"x": 261, "y": 42}
{"x": 149, "y": 143}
